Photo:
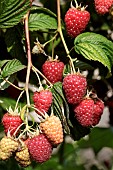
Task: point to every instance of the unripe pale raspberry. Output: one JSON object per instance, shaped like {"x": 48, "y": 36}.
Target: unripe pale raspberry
{"x": 52, "y": 128}
{"x": 23, "y": 157}
{"x": 74, "y": 86}
{"x": 7, "y": 144}
{"x": 53, "y": 70}
{"x": 5, "y": 155}
{"x": 40, "y": 148}
{"x": 42, "y": 100}
{"x": 103, "y": 6}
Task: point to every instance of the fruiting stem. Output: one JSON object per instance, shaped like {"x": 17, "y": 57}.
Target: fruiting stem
{"x": 18, "y": 128}
{"x": 13, "y": 85}
{"x": 29, "y": 58}
{"x": 42, "y": 114}
{"x": 38, "y": 78}
{"x": 18, "y": 99}
{"x": 53, "y": 38}
{"x": 53, "y": 49}
{"x": 59, "y": 29}
{"x": 36, "y": 70}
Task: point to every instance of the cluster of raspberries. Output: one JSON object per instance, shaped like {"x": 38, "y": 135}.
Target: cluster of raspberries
{"x": 87, "y": 110}
{"x": 39, "y": 146}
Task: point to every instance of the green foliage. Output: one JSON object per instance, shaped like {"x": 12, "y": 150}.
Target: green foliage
{"x": 12, "y": 67}
{"x": 42, "y": 19}
{"x": 98, "y": 138}
{"x": 83, "y": 65}
{"x": 12, "y": 11}
{"x": 95, "y": 47}
{"x": 7, "y": 102}
{"x": 65, "y": 113}
{"x": 13, "y": 39}
{"x": 8, "y": 70}
{"x": 60, "y": 106}
{"x": 2, "y": 62}
{"x": 3, "y": 82}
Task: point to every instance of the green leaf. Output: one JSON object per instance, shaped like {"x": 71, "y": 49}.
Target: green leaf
{"x": 7, "y": 102}
{"x": 41, "y": 19}
{"x": 70, "y": 124}
{"x": 98, "y": 138}
{"x": 95, "y": 47}
{"x": 12, "y": 11}
{"x": 83, "y": 65}
{"x": 3, "y": 82}
{"x": 2, "y": 62}
{"x": 13, "y": 40}
{"x": 77, "y": 131}
{"x": 77, "y": 64}
{"x": 12, "y": 67}
{"x": 60, "y": 106}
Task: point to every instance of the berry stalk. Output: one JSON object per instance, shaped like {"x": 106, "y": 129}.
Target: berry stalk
{"x": 21, "y": 89}
{"x": 36, "y": 70}
{"x": 29, "y": 58}
{"x": 16, "y": 106}
{"x": 59, "y": 29}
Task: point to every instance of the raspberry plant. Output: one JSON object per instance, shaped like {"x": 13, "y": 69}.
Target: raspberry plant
{"x": 48, "y": 90}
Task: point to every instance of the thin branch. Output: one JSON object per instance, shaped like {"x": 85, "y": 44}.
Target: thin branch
{"x": 13, "y": 85}
{"x": 60, "y": 27}
{"x": 29, "y": 57}
{"x": 61, "y": 35}
{"x": 36, "y": 70}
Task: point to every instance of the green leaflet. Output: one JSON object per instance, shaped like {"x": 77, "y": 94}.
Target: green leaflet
{"x": 70, "y": 124}
{"x": 59, "y": 105}
{"x": 3, "y": 82}
{"x": 98, "y": 139}
{"x": 12, "y": 67}
{"x": 2, "y": 62}
{"x": 13, "y": 40}
{"x": 41, "y": 19}
{"x": 95, "y": 47}
{"x": 7, "y": 102}
{"x": 12, "y": 11}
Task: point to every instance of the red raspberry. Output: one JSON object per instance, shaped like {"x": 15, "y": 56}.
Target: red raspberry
{"x": 11, "y": 123}
{"x": 40, "y": 148}
{"x": 98, "y": 110}
{"x": 42, "y": 100}
{"x": 103, "y": 6}
{"x": 88, "y": 112}
{"x": 74, "y": 86}
{"x": 53, "y": 70}
{"x": 76, "y": 20}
